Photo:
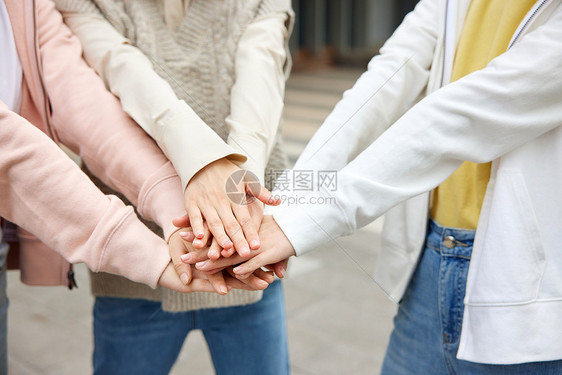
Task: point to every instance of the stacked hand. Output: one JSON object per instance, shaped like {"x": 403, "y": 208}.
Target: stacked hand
{"x": 193, "y": 280}
{"x": 227, "y": 244}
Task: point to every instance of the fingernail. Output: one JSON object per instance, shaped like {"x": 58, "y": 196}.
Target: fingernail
{"x": 229, "y": 288}
{"x": 244, "y": 251}
{"x": 199, "y": 235}
{"x": 222, "y": 289}
{"x": 197, "y": 243}
{"x": 282, "y": 273}
{"x": 201, "y": 264}
{"x": 263, "y": 284}
{"x": 237, "y": 270}
{"x": 255, "y": 244}
{"x": 226, "y": 244}
{"x": 184, "y": 278}
{"x": 184, "y": 234}
{"x": 185, "y": 257}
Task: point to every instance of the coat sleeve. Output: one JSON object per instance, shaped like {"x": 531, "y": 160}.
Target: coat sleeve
{"x": 185, "y": 138}
{"x": 394, "y": 81}
{"x": 257, "y": 94}
{"x": 89, "y": 120}
{"x": 43, "y": 191}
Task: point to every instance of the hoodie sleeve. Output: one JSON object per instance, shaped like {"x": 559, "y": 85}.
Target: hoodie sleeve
{"x": 44, "y": 192}
{"x": 89, "y": 120}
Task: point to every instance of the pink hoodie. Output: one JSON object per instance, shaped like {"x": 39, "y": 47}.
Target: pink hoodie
{"x": 45, "y": 193}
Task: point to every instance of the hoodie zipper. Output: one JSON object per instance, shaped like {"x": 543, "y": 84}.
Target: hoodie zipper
{"x": 519, "y": 32}
{"x": 46, "y": 105}
{"x": 527, "y": 22}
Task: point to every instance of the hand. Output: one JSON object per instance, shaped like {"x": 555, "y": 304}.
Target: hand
{"x": 221, "y": 282}
{"x": 273, "y": 253}
{"x": 169, "y": 279}
{"x": 256, "y": 213}
{"x": 178, "y": 247}
{"x": 276, "y": 250}
{"x": 202, "y": 283}
{"x": 230, "y": 223}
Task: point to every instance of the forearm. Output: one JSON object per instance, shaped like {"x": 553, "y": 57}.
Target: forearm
{"x": 89, "y": 120}
{"x": 45, "y": 193}
{"x": 478, "y": 118}
{"x": 258, "y": 91}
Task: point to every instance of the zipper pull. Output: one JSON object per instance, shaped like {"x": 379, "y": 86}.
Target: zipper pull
{"x": 71, "y": 280}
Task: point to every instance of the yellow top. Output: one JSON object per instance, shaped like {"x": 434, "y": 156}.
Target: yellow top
{"x": 489, "y": 26}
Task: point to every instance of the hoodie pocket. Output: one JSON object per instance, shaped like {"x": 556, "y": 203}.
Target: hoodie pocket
{"x": 508, "y": 267}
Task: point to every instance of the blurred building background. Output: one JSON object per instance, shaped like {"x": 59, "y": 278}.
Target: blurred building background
{"x": 343, "y": 32}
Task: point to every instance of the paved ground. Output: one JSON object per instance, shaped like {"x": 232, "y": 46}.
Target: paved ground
{"x": 338, "y": 319}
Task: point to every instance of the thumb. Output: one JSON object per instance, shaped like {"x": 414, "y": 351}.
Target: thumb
{"x": 182, "y": 221}
{"x": 177, "y": 249}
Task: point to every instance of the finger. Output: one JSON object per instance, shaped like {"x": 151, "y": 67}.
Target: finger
{"x": 268, "y": 198}
{"x": 199, "y": 285}
{"x": 227, "y": 252}
{"x": 217, "y": 281}
{"x": 249, "y": 228}
{"x": 197, "y": 255}
{"x": 256, "y": 262}
{"x": 187, "y": 235}
{"x": 234, "y": 230}
{"x": 252, "y": 281}
{"x": 196, "y": 222}
{"x": 209, "y": 265}
{"x": 170, "y": 280}
{"x": 214, "y": 252}
{"x": 237, "y": 284}
{"x": 177, "y": 249}
{"x": 280, "y": 268}
{"x": 266, "y": 276}
{"x": 200, "y": 243}
{"x": 181, "y": 222}
{"x": 217, "y": 229}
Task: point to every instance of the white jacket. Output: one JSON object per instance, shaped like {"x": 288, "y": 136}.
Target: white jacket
{"x": 510, "y": 113}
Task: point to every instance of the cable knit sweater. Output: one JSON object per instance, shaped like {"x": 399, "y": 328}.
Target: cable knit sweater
{"x": 198, "y": 61}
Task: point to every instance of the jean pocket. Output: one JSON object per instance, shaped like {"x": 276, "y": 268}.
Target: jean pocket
{"x": 509, "y": 265}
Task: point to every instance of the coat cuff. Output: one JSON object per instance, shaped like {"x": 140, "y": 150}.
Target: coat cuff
{"x": 189, "y": 150}
{"x": 309, "y": 220}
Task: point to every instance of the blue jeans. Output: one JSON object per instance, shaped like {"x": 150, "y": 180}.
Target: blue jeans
{"x": 428, "y": 324}
{"x": 134, "y": 336}
{"x": 3, "y": 308}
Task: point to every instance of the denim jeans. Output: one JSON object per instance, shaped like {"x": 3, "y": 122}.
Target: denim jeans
{"x": 428, "y": 324}
{"x": 3, "y": 308}
{"x": 134, "y": 336}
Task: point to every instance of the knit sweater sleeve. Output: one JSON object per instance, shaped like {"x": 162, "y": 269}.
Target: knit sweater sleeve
{"x": 185, "y": 139}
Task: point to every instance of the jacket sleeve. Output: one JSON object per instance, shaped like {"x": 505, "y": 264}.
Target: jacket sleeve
{"x": 478, "y": 118}
{"x": 394, "y": 81}
{"x": 189, "y": 143}
{"x": 257, "y": 94}
{"x": 43, "y": 191}
{"x": 89, "y": 120}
